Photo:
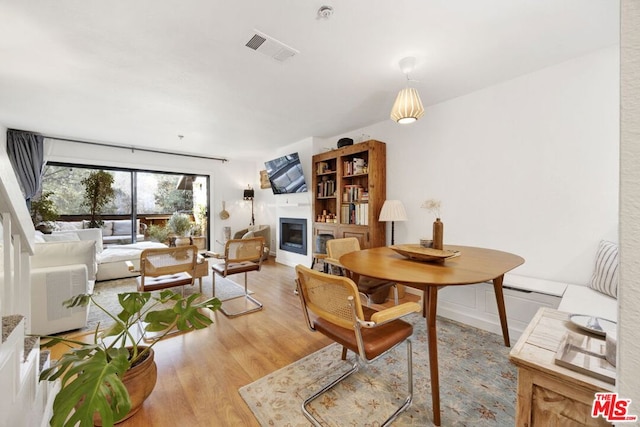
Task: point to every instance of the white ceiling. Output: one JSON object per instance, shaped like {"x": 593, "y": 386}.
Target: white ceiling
{"x": 142, "y": 72}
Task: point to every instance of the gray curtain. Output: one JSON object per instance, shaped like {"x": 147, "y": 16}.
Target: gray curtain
{"x": 26, "y": 152}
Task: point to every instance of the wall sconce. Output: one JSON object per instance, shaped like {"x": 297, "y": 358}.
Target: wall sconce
{"x": 248, "y": 195}
{"x": 393, "y": 210}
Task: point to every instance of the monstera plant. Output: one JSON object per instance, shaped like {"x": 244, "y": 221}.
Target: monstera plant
{"x": 98, "y": 379}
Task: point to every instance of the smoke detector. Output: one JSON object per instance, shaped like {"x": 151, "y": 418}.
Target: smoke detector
{"x": 325, "y": 12}
{"x": 271, "y": 47}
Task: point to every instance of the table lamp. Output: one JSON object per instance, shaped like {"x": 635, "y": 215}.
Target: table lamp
{"x": 393, "y": 210}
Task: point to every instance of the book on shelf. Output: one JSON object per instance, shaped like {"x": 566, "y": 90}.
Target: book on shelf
{"x": 354, "y": 166}
{"x": 352, "y": 193}
{"x": 585, "y": 354}
{"x": 322, "y": 167}
{"x": 326, "y": 187}
{"x": 358, "y": 165}
{"x": 355, "y": 214}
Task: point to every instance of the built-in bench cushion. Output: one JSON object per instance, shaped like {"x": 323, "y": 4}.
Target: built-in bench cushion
{"x": 598, "y": 298}
{"x": 578, "y": 299}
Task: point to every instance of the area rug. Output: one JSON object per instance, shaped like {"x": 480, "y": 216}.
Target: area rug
{"x": 105, "y": 293}
{"x": 477, "y": 384}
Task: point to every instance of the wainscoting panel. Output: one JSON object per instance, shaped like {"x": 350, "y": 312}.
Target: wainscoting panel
{"x": 475, "y": 305}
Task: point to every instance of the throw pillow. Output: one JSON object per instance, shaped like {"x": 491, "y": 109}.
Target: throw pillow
{"x": 605, "y": 273}
{"x": 61, "y": 237}
{"x": 69, "y": 225}
{"x": 248, "y": 235}
{"x": 107, "y": 227}
{"x": 122, "y": 227}
{"x": 94, "y": 234}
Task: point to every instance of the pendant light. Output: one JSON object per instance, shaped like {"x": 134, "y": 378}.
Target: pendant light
{"x": 408, "y": 106}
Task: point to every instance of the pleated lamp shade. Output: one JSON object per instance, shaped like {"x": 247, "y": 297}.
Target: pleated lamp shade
{"x": 408, "y": 106}
{"x": 393, "y": 210}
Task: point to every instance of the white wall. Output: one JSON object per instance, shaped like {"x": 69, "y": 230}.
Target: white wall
{"x": 273, "y": 207}
{"x": 528, "y": 166}
{"x": 629, "y": 292}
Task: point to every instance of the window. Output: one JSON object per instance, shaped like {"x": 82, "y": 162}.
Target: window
{"x": 151, "y": 197}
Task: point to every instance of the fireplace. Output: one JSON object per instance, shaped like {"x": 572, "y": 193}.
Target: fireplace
{"x": 293, "y": 235}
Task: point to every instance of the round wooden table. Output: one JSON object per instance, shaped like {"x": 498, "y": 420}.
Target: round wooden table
{"x": 474, "y": 265}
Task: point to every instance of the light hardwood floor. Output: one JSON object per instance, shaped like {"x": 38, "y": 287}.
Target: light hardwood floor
{"x": 200, "y": 372}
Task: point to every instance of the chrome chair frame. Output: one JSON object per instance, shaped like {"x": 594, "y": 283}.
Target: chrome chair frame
{"x": 163, "y": 268}
{"x": 358, "y": 325}
{"x": 235, "y": 264}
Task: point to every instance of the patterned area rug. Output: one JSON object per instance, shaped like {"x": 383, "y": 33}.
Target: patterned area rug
{"x": 477, "y": 384}
{"x": 105, "y": 295}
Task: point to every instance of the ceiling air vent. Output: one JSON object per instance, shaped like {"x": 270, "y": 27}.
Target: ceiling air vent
{"x": 270, "y": 47}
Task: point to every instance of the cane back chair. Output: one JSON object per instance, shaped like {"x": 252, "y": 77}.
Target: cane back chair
{"x": 162, "y": 268}
{"x": 240, "y": 256}
{"x": 331, "y": 306}
{"x": 366, "y": 285}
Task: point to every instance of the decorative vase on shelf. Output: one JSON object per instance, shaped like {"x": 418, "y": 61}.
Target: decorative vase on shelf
{"x": 438, "y": 230}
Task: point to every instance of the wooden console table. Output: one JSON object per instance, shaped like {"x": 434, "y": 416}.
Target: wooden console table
{"x": 549, "y": 394}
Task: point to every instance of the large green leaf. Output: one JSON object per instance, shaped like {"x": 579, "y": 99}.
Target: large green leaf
{"x": 90, "y": 385}
{"x": 185, "y": 315}
{"x": 77, "y": 301}
{"x": 90, "y": 374}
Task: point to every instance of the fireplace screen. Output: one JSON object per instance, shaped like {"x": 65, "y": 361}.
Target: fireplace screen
{"x": 293, "y": 235}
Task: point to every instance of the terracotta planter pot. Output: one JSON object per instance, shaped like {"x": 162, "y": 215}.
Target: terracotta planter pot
{"x": 139, "y": 381}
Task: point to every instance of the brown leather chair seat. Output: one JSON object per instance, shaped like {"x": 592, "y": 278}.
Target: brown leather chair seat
{"x": 376, "y": 340}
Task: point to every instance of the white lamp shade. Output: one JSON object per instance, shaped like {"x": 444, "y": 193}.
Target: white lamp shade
{"x": 393, "y": 210}
{"x": 408, "y": 106}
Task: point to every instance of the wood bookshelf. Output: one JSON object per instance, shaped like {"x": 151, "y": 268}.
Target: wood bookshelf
{"x": 349, "y": 187}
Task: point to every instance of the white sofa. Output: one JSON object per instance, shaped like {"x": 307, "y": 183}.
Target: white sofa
{"x": 113, "y": 231}
{"x": 60, "y": 270}
{"x": 68, "y": 263}
{"x": 110, "y": 260}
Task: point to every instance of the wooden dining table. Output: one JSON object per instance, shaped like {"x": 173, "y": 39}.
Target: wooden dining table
{"x": 473, "y": 265}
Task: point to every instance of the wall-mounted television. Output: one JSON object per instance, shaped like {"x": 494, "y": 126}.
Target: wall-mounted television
{"x": 285, "y": 174}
